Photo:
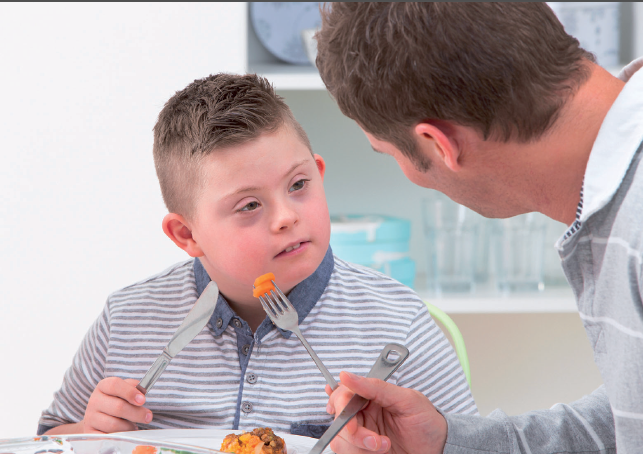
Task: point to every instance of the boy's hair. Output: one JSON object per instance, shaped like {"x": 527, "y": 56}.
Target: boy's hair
{"x": 505, "y": 69}
{"x": 218, "y": 111}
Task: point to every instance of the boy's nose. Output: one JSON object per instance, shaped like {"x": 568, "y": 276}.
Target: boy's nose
{"x": 285, "y": 218}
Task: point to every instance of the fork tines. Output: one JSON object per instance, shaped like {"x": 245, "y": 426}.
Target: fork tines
{"x": 275, "y": 302}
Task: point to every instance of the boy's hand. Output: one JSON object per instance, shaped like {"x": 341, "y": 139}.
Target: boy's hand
{"x": 115, "y": 406}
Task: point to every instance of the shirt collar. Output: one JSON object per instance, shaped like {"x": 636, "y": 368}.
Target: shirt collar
{"x": 618, "y": 140}
{"x": 303, "y": 296}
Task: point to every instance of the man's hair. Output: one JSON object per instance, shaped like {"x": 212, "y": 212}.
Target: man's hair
{"x": 505, "y": 69}
{"x": 215, "y": 112}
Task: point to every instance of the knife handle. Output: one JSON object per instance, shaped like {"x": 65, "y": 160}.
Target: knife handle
{"x": 154, "y": 372}
{"x": 390, "y": 359}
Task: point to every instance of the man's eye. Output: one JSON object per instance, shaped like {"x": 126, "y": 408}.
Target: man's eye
{"x": 298, "y": 186}
{"x": 250, "y": 206}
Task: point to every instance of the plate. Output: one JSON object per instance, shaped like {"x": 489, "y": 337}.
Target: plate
{"x": 278, "y": 26}
{"x": 212, "y": 438}
{"x": 122, "y": 443}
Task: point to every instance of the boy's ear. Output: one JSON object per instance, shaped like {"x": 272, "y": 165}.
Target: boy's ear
{"x": 321, "y": 165}
{"x": 433, "y": 139}
{"x": 177, "y": 229}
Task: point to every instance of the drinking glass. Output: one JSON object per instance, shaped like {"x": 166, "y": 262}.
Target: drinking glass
{"x": 452, "y": 234}
{"x": 518, "y": 249}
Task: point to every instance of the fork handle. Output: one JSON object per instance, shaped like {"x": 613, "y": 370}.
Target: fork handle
{"x": 329, "y": 378}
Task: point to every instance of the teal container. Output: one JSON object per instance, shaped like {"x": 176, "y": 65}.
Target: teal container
{"x": 379, "y": 242}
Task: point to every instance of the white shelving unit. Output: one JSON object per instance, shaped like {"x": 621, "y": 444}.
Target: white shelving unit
{"x": 295, "y": 78}
{"x": 552, "y": 300}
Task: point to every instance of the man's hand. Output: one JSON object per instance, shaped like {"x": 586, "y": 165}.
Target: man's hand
{"x": 115, "y": 406}
{"x": 396, "y": 420}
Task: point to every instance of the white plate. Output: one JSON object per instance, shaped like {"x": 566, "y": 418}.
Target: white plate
{"x": 278, "y": 26}
{"x": 212, "y": 438}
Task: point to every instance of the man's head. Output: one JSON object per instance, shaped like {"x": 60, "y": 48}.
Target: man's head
{"x": 503, "y": 69}
{"x": 243, "y": 188}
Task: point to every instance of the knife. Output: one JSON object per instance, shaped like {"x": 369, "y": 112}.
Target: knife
{"x": 192, "y": 325}
{"x": 392, "y": 357}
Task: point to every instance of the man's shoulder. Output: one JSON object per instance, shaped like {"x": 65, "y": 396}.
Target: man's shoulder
{"x": 171, "y": 282}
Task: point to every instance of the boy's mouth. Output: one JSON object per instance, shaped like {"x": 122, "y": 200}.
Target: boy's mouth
{"x": 294, "y": 248}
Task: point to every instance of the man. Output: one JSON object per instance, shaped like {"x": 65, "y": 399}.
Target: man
{"x": 496, "y": 106}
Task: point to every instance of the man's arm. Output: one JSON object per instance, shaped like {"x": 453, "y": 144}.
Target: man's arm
{"x": 400, "y": 420}
{"x": 586, "y": 425}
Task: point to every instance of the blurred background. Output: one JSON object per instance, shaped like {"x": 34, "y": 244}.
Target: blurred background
{"x": 81, "y": 87}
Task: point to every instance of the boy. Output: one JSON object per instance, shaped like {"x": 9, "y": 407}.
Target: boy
{"x": 245, "y": 195}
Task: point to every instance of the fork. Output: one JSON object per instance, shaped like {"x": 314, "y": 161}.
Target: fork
{"x": 284, "y": 315}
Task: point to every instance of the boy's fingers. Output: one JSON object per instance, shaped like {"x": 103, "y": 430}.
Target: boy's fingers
{"x": 103, "y": 423}
{"x": 119, "y": 408}
{"x": 125, "y": 389}
{"x": 137, "y": 397}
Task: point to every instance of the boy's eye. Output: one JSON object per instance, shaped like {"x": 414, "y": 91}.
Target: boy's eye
{"x": 250, "y": 206}
{"x": 298, "y": 185}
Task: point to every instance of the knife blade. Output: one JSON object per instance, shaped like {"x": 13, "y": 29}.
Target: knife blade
{"x": 192, "y": 325}
{"x": 392, "y": 357}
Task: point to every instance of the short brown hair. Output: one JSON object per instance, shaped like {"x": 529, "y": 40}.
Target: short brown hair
{"x": 218, "y": 111}
{"x": 505, "y": 69}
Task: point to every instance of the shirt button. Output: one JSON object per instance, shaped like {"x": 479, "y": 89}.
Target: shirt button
{"x": 219, "y": 323}
{"x": 237, "y": 323}
{"x": 251, "y": 378}
{"x": 245, "y": 349}
{"x": 246, "y": 407}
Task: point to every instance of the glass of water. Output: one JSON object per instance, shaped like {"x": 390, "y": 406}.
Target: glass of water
{"x": 518, "y": 249}
{"x": 452, "y": 235}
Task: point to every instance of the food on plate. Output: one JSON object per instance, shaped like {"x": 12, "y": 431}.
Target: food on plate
{"x": 263, "y": 284}
{"x": 259, "y": 441}
{"x": 142, "y": 449}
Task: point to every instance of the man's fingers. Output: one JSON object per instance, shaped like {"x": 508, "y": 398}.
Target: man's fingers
{"x": 367, "y": 439}
{"x": 369, "y": 444}
{"x": 125, "y": 389}
{"x": 387, "y": 395}
{"x": 338, "y": 400}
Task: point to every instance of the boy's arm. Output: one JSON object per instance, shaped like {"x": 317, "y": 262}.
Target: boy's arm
{"x": 433, "y": 367}
{"x": 114, "y": 406}
{"x": 81, "y": 379}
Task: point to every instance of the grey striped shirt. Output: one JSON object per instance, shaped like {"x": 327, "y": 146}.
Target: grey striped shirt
{"x": 228, "y": 377}
{"x": 601, "y": 255}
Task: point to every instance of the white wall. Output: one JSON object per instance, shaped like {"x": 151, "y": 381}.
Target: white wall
{"x": 81, "y": 86}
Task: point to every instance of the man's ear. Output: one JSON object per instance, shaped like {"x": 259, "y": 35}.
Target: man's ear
{"x": 435, "y": 138}
{"x": 178, "y": 230}
{"x": 321, "y": 165}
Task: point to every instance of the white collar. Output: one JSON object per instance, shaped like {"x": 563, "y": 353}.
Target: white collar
{"x": 618, "y": 140}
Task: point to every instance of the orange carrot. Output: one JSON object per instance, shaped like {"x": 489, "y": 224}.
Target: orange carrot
{"x": 263, "y": 284}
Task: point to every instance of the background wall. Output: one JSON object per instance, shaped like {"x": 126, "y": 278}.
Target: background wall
{"x": 81, "y": 86}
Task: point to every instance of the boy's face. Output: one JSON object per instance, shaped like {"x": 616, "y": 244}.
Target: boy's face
{"x": 263, "y": 209}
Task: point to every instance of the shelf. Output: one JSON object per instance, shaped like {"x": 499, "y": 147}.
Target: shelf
{"x": 553, "y": 300}
{"x": 294, "y": 77}
{"x": 289, "y": 77}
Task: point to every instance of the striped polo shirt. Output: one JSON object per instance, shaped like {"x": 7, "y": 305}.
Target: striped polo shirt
{"x": 603, "y": 259}
{"x": 231, "y": 378}
{"x": 602, "y": 256}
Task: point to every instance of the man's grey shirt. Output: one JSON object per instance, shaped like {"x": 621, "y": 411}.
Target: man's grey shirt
{"x": 602, "y": 261}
